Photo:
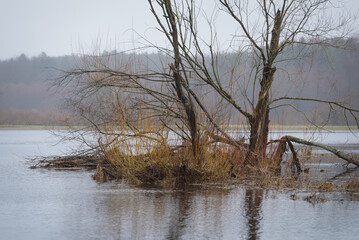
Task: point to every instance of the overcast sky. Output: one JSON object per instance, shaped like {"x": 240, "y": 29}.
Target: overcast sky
{"x": 59, "y": 27}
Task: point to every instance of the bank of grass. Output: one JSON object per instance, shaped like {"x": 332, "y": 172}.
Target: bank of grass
{"x": 144, "y": 162}
{"x": 231, "y": 127}
{"x": 31, "y": 127}
{"x": 37, "y": 127}
{"x": 148, "y": 156}
{"x": 163, "y": 167}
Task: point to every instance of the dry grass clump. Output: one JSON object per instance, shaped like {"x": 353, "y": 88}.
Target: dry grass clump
{"x": 325, "y": 187}
{"x": 147, "y": 162}
{"x": 352, "y": 186}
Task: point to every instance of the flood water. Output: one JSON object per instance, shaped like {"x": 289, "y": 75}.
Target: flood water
{"x": 50, "y": 204}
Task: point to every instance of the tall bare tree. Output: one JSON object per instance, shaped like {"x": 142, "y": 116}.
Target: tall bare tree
{"x": 181, "y": 84}
{"x": 279, "y": 25}
{"x": 267, "y": 31}
{"x": 284, "y": 23}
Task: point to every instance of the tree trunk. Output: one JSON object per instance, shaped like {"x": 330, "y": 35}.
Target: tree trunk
{"x": 259, "y": 124}
{"x": 179, "y": 82}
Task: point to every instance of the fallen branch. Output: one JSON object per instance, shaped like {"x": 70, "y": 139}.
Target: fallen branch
{"x": 278, "y": 155}
{"x": 238, "y": 144}
{"x": 295, "y": 158}
{"x": 68, "y": 162}
{"x": 340, "y": 154}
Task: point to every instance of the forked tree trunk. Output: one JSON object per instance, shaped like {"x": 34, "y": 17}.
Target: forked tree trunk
{"x": 182, "y": 94}
{"x": 259, "y": 124}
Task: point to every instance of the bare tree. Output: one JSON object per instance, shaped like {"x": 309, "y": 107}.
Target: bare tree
{"x": 181, "y": 84}
{"x": 284, "y": 22}
{"x": 173, "y": 90}
{"x": 279, "y": 26}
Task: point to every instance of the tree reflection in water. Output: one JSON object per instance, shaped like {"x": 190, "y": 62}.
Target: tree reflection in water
{"x": 253, "y": 213}
{"x": 192, "y": 213}
{"x": 178, "y": 221}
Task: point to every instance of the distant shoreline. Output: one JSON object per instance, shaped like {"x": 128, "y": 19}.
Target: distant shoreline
{"x": 32, "y": 127}
{"x": 229, "y": 127}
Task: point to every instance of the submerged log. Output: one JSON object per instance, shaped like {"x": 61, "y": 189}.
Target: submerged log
{"x": 104, "y": 170}
{"x": 102, "y": 174}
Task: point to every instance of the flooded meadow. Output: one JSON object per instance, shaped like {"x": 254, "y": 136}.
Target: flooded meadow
{"x": 51, "y": 204}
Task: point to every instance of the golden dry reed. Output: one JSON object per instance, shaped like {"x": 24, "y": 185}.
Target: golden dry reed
{"x": 146, "y": 151}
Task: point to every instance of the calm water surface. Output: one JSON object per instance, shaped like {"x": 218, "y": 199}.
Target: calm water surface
{"x": 49, "y": 204}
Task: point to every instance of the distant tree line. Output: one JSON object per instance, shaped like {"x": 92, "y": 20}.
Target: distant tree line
{"x": 27, "y": 94}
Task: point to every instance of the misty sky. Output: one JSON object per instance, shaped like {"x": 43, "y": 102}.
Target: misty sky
{"x": 60, "y": 27}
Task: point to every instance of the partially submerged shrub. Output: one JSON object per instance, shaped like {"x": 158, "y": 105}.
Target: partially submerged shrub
{"x": 158, "y": 163}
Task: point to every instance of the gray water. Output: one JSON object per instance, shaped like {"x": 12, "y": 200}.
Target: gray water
{"x": 49, "y": 204}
